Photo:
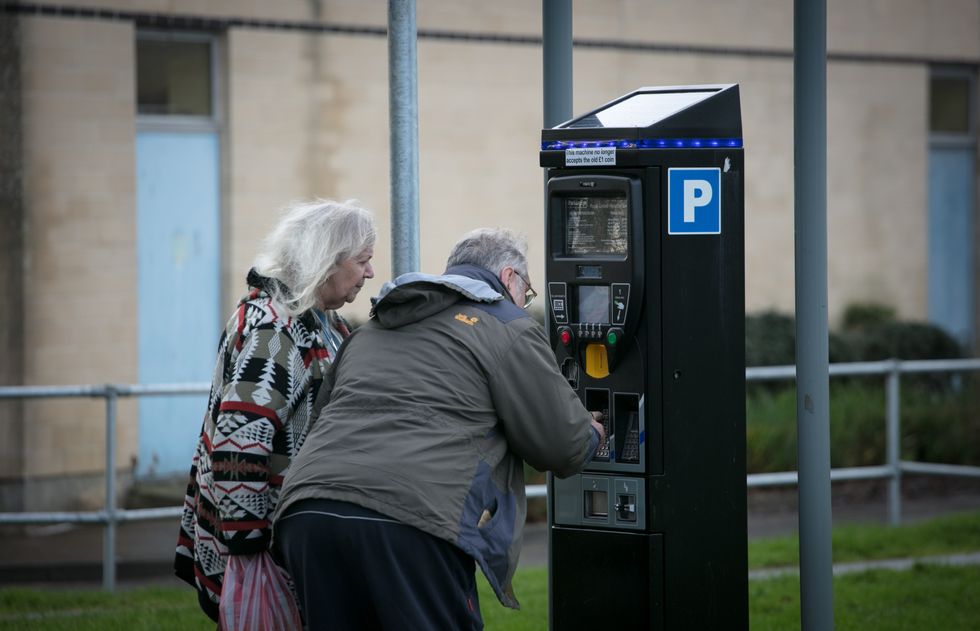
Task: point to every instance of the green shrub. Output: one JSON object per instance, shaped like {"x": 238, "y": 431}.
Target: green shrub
{"x": 770, "y": 339}
{"x": 869, "y": 332}
{"x": 857, "y": 427}
{"x": 857, "y": 422}
{"x": 902, "y": 340}
{"x": 858, "y": 316}
{"x": 877, "y": 334}
{"x": 942, "y": 426}
{"x": 936, "y": 425}
{"x": 770, "y": 430}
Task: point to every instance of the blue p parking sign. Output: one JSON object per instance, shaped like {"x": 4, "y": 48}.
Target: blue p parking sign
{"x": 694, "y": 201}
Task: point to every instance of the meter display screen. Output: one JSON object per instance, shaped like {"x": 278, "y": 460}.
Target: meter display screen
{"x": 593, "y": 303}
{"x": 595, "y": 225}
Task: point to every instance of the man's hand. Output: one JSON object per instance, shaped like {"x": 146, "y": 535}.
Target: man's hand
{"x": 597, "y": 418}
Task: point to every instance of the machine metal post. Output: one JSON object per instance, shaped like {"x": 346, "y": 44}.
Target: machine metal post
{"x": 557, "y": 84}
{"x": 812, "y": 352}
{"x": 557, "y": 61}
{"x": 403, "y": 115}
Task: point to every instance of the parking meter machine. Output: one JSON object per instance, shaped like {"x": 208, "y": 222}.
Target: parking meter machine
{"x": 645, "y": 312}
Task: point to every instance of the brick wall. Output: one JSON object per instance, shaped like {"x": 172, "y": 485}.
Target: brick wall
{"x": 80, "y": 264}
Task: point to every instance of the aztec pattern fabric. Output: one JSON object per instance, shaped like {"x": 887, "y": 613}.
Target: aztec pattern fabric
{"x": 266, "y": 378}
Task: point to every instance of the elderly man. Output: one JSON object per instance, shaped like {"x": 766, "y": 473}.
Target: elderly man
{"x": 414, "y": 470}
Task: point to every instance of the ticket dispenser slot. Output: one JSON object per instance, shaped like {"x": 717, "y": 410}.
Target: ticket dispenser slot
{"x": 596, "y": 493}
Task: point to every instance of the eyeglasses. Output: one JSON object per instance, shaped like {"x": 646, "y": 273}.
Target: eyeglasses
{"x": 529, "y": 293}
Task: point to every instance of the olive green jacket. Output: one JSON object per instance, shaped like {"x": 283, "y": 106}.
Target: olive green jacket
{"x": 434, "y": 405}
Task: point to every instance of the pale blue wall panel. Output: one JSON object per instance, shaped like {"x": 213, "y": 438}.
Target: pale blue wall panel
{"x": 178, "y": 253}
{"x": 951, "y": 243}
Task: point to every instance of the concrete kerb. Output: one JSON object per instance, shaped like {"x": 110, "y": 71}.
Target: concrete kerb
{"x": 840, "y": 569}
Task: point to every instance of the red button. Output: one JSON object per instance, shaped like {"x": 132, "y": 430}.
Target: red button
{"x": 566, "y": 337}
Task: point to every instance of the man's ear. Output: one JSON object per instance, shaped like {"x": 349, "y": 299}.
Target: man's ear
{"x": 505, "y": 275}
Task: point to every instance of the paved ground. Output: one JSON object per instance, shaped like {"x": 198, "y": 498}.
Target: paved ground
{"x": 65, "y": 555}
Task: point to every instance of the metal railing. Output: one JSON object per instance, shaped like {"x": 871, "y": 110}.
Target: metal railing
{"x": 111, "y": 516}
{"x": 894, "y": 466}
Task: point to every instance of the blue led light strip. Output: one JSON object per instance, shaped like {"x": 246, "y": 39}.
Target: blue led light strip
{"x": 647, "y": 143}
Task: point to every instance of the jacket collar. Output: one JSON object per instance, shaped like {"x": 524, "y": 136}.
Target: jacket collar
{"x": 265, "y": 283}
{"x": 479, "y": 273}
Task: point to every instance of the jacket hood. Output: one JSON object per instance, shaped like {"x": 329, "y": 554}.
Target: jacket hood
{"x": 415, "y": 296}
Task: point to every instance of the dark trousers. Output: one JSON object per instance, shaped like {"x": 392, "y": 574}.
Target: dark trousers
{"x": 357, "y": 569}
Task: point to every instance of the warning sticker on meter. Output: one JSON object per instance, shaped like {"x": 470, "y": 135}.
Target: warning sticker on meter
{"x": 590, "y": 156}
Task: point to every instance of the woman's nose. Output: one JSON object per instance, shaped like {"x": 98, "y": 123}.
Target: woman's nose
{"x": 369, "y": 271}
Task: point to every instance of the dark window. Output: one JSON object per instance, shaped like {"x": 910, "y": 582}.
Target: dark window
{"x": 949, "y": 105}
{"x": 173, "y": 77}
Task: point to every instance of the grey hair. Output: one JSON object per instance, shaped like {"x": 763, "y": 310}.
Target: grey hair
{"x": 307, "y": 246}
{"x": 492, "y": 249}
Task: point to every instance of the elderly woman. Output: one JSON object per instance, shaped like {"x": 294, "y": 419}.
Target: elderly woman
{"x": 271, "y": 360}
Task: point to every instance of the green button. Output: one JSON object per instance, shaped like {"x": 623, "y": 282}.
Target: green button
{"x": 612, "y": 338}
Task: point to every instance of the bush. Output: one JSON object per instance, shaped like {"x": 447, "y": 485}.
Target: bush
{"x": 872, "y": 333}
{"x": 869, "y": 332}
{"x": 942, "y": 426}
{"x": 859, "y": 316}
{"x": 770, "y": 339}
{"x": 937, "y": 426}
{"x": 857, "y": 427}
{"x": 770, "y": 430}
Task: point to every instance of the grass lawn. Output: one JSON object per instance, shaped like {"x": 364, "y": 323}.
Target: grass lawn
{"x": 931, "y": 597}
{"x": 926, "y": 597}
{"x": 946, "y": 535}
{"x": 90, "y": 610}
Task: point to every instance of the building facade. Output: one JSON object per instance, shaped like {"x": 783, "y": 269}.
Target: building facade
{"x": 147, "y": 145}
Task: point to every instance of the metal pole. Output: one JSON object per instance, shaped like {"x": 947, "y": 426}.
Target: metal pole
{"x": 557, "y": 84}
{"x": 893, "y": 420}
{"x": 403, "y": 117}
{"x": 812, "y": 354}
{"x": 557, "y": 61}
{"x": 109, "y": 534}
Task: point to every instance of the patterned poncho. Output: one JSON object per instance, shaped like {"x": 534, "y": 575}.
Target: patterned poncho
{"x": 266, "y": 378}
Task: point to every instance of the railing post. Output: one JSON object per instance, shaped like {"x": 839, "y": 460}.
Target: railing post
{"x": 893, "y": 446}
{"x": 109, "y": 534}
